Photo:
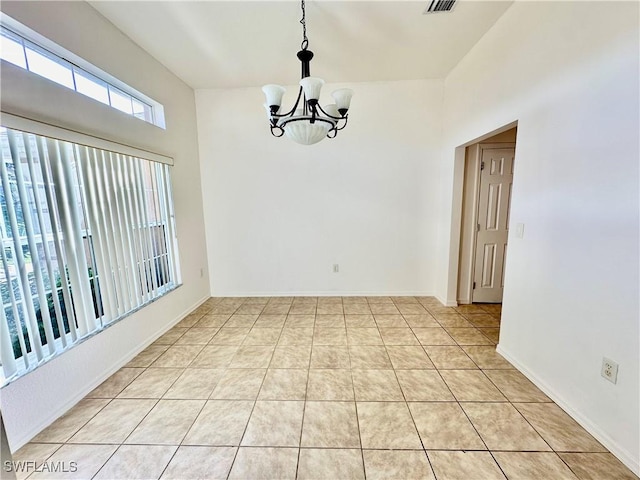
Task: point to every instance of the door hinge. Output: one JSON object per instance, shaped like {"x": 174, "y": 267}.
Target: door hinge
{"x": 477, "y": 227}
{"x": 474, "y": 285}
{"x": 481, "y": 165}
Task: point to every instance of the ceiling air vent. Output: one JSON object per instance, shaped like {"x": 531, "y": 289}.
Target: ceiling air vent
{"x": 440, "y": 6}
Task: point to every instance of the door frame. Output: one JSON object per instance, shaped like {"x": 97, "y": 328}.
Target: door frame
{"x": 469, "y": 232}
{"x": 450, "y": 297}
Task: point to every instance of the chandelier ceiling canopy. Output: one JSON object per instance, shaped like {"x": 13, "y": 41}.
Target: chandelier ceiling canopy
{"x": 307, "y": 123}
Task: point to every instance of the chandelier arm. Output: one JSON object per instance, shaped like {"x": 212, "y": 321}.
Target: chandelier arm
{"x": 328, "y": 114}
{"x": 276, "y": 128}
{"x": 295, "y": 105}
{"x": 335, "y": 132}
{"x": 345, "y": 118}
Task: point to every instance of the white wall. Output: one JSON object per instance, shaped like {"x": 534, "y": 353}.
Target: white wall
{"x": 568, "y": 73}
{"x": 279, "y": 215}
{"x": 35, "y": 400}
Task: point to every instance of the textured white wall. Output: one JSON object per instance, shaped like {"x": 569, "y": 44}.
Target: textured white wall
{"x": 34, "y": 401}
{"x": 279, "y": 214}
{"x": 568, "y": 73}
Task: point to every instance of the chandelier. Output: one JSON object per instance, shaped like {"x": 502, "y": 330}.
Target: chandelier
{"x": 309, "y": 123}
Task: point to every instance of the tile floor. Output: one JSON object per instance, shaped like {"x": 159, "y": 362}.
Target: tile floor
{"x": 323, "y": 388}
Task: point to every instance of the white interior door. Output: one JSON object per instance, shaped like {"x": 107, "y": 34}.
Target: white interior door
{"x": 496, "y": 178}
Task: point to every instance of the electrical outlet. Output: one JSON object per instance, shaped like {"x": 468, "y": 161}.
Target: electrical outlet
{"x": 336, "y": 268}
{"x": 609, "y": 370}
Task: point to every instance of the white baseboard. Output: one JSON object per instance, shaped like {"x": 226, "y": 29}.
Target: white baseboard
{"x": 358, "y": 293}
{"x": 622, "y": 454}
{"x": 25, "y": 437}
{"x": 446, "y": 303}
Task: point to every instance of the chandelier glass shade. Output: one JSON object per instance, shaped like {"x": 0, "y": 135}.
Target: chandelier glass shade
{"x": 307, "y": 122}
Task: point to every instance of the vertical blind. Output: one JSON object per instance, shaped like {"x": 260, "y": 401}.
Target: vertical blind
{"x": 88, "y": 236}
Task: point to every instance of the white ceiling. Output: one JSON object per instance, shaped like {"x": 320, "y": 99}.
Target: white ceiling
{"x": 212, "y": 44}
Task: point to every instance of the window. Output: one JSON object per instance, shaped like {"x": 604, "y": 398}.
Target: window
{"x": 26, "y": 54}
{"x": 87, "y": 236}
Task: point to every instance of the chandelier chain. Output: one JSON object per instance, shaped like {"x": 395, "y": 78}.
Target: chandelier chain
{"x": 303, "y": 22}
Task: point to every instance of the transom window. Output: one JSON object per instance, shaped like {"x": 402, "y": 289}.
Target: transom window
{"x": 24, "y": 53}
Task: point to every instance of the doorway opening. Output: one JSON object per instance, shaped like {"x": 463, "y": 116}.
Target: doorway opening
{"x": 484, "y": 224}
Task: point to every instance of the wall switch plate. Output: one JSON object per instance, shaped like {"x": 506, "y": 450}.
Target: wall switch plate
{"x": 336, "y": 268}
{"x": 609, "y": 370}
{"x": 519, "y": 230}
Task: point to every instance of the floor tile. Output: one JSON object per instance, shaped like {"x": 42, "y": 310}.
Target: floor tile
{"x": 449, "y": 357}
{"x": 463, "y": 465}
{"x": 284, "y": 384}
{"x": 197, "y": 336}
{"x": 250, "y": 309}
{"x": 376, "y": 385}
{"x": 423, "y": 386}
{"x": 322, "y": 464}
{"x": 330, "y": 424}
{"x": 515, "y": 386}
{"x": 387, "y": 425}
{"x": 147, "y": 356}
{"x": 559, "y": 430}
{"x": 241, "y": 321}
{"x": 214, "y": 356}
{"x": 221, "y": 423}
{"x": 274, "y": 424}
{"x": 379, "y": 299}
{"x": 270, "y": 321}
{"x": 360, "y": 321}
{"x": 178, "y": 356}
{"x": 364, "y": 336}
{"x": 252, "y": 356}
{"x": 64, "y": 427}
{"x": 167, "y": 423}
{"x": 276, "y": 309}
{"x": 409, "y": 357}
{"x": 369, "y": 357}
{"x": 421, "y": 321}
{"x": 482, "y": 320}
{"x": 136, "y": 462}
{"x": 330, "y": 309}
{"x": 468, "y": 336}
{"x": 291, "y": 356}
{"x": 330, "y": 384}
{"x": 190, "y": 320}
{"x": 117, "y": 382}
{"x": 300, "y": 321}
{"x": 486, "y": 357}
{"x": 87, "y": 458}
{"x": 412, "y": 309}
{"x": 357, "y": 309}
{"x": 329, "y": 336}
{"x": 384, "y": 309}
{"x": 327, "y": 356}
{"x": 451, "y": 320}
{"x": 471, "y": 386}
{"x": 444, "y": 426}
{"x": 503, "y": 428}
{"x": 239, "y": 384}
{"x": 433, "y": 336}
{"x": 397, "y": 464}
{"x": 533, "y": 466}
{"x": 330, "y": 320}
{"x": 262, "y": 336}
{"x": 114, "y": 422}
{"x": 152, "y": 383}
{"x": 33, "y": 452}
{"x": 597, "y": 466}
{"x": 265, "y": 464}
{"x": 213, "y": 320}
{"x": 194, "y": 383}
{"x": 211, "y": 463}
{"x": 390, "y": 321}
{"x": 492, "y": 334}
{"x": 398, "y": 336}
{"x": 303, "y": 309}
{"x": 230, "y": 336}
{"x": 296, "y": 336}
